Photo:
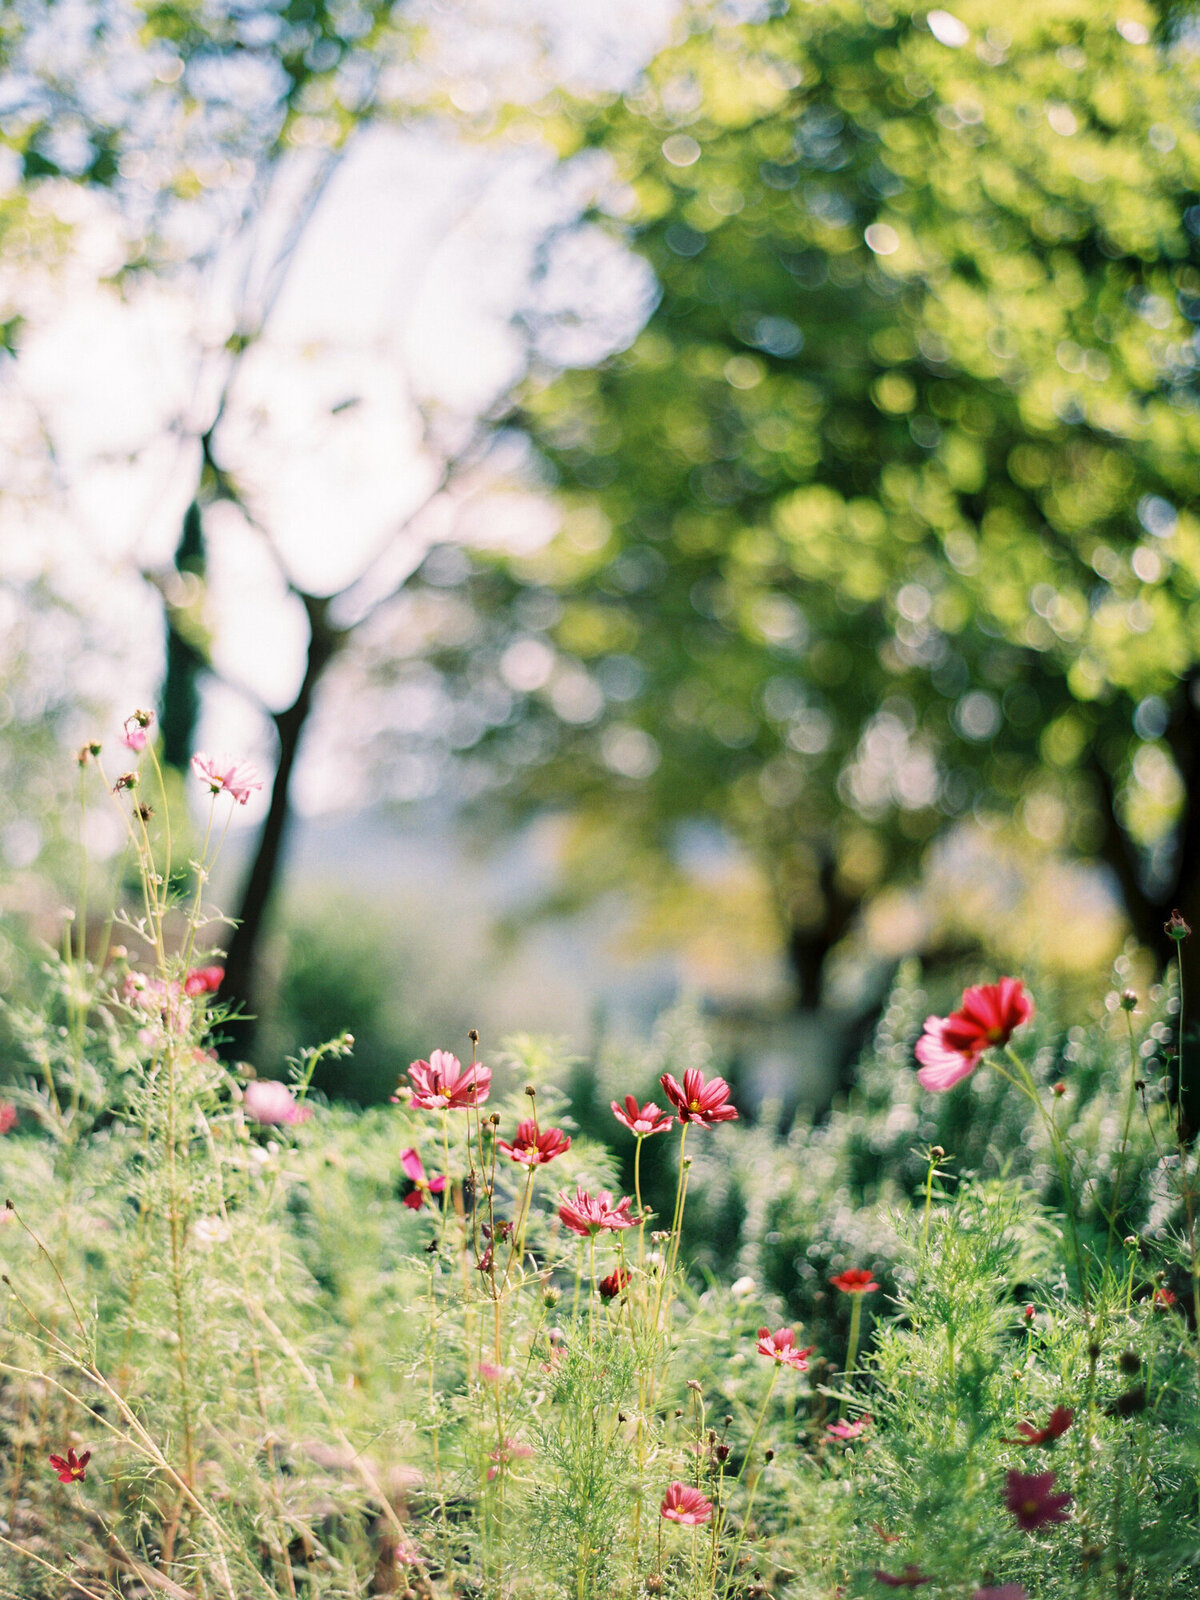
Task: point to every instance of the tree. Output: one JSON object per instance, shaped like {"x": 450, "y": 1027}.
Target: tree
{"x": 888, "y": 515}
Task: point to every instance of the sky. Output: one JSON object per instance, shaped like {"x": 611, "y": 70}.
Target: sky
{"x": 392, "y": 332}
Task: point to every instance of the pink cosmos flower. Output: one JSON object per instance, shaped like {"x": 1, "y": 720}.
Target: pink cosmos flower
{"x": 1006, "y": 1591}
{"x": 135, "y": 736}
{"x": 422, "y": 1186}
{"x": 587, "y": 1215}
{"x": 642, "y": 1120}
{"x": 271, "y": 1103}
{"x": 698, "y": 1100}
{"x": 910, "y": 1578}
{"x": 950, "y": 1048}
{"x": 780, "y": 1347}
{"x": 226, "y": 776}
{"x": 534, "y": 1149}
{"x": 72, "y": 1468}
{"x": 1031, "y": 1499}
{"x": 511, "y": 1450}
{"x": 849, "y": 1430}
{"x": 407, "y": 1555}
{"x": 204, "y": 980}
{"x": 682, "y": 1503}
{"x": 8, "y": 1116}
{"x": 443, "y": 1084}
{"x": 1061, "y": 1419}
{"x": 855, "y": 1280}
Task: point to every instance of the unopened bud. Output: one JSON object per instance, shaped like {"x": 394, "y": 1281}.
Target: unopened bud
{"x": 1130, "y": 1241}
{"x": 1128, "y": 1000}
{"x": 694, "y": 1385}
{"x": 494, "y": 1119}
{"x": 938, "y": 1153}
{"x": 1176, "y": 928}
{"x": 1059, "y": 1089}
{"x": 1030, "y": 1313}
{"x": 473, "y": 1035}
{"x": 551, "y": 1295}
{"x": 768, "y": 1456}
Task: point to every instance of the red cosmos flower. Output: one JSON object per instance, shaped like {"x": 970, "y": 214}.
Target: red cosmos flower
{"x": 225, "y": 776}
{"x": 1061, "y": 1419}
{"x": 534, "y": 1149}
{"x": 73, "y": 1469}
{"x": 780, "y": 1346}
{"x": 849, "y": 1430}
{"x": 8, "y": 1116}
{"x": 1031, "y": 1499}
{"x": 1164, "y": 1299}
{"x": 910, "y": 1578}
{"x": 204, "y": 980}
{"x": 855, "y": 1280}
{"x": 682, "y": 1503}
{"x": 642, "y": 1120}
{"x": 587, "y": 1215}
{"x": 699, "y": 1101}
{"x": 616, "y": 1283}
{"x": 950, "y": 1047}
{"x": 443, "y": 1084}
{"x": 422, "y": 1186}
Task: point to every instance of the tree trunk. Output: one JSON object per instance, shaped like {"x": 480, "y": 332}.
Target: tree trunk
{"x": 242, "y": 962}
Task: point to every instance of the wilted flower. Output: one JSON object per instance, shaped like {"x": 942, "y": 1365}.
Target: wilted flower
{"x": 504, "y": 1455}
{"x": 226, "y": 776}
{"x": 71, "y": 1468}
{"x": 642, "y": 1120}
{"x": 272, "y": 1103}
{"x": 8, "y": 1116}
{"x": 443, "y": 1084}
{"x": 1061, "y": 1419}
{"x": 422, "y": 1186}
{"x": 849, "y": 1430}
{"x": 1031, "y": 1499}
{"x": 855, "y": 1280}
{"x": 534, "y": 1149}
{"x": 587, "y": 1215}
{"x": 698, "y": 1100}
{"x": 682, "y": 1503}
{"x": 950, "y": 1047}
{"x": 204, "y": 980}
{"x": 135, "y": 735}
{"x": 780, "y": 1347}
{"x": 616, "y": 1283}
{"x": 910, "y": 1578}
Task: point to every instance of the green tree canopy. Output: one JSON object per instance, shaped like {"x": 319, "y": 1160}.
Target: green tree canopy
{"x": 889, "y": 513}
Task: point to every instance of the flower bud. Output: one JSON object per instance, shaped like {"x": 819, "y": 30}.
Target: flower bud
{"x": 551, "y": 1295}
{"x": 938, "y": 1153}
{"x": 1176, "y": 928}
{"x": 1059, "y": 1089}
{"x": 1128, "y": 1000}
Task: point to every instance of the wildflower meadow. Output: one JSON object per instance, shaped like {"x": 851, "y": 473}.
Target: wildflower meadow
{"x": 254, "y": 1343}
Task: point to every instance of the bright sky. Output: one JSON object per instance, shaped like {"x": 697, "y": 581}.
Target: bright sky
{"x": 394, "y": 323}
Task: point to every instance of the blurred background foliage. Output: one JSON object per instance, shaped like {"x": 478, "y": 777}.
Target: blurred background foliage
{"x": 870, "y": 622}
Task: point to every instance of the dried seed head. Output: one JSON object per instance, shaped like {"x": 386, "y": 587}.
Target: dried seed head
{"x": 127, "y": 780}
{"x": 654, "y": 1583}
{"x": 530, "y": 1090}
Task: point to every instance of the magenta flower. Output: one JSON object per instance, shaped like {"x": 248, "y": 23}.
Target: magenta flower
{"x": 534, "y": 1149}
{"x": 699, "y": 1100}
{"x": 855, "y": 1280}
{"x": 422, "y": 1186}
{"x": 271, "y": 1103}
{"x": 443, "y": 1084}
{"x": 1031, "y": 1499}
{"x": 849, "y": 1430}
{"x": 588, "y": 1215}
{"x": 780, "y": 1347}
{"x": 1061, "y": 1419}
{"x": 910, "y": 1578}
{"x": 504, "y": 1455}
{"x": 71, "y": 1468}
{"x": 203, "y": 980}
{"x": 686, "y": 1505}
{"x": 950, "y": 1048}
{"x": 8, "y": 1116}
{"x": 226, "y": 776}
{"x": 642, "y": 1120}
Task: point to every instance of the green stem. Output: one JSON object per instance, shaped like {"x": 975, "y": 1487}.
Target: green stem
{"x": 1025, "y": 1083}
